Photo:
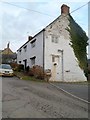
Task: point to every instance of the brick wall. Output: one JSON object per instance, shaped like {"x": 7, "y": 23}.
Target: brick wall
{"x": 64, "y": 9}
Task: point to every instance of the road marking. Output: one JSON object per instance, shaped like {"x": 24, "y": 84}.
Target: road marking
{"x": 70, "y": 93}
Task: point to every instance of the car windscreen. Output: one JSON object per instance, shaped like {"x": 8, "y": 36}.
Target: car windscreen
{"x": 5, "y": 66}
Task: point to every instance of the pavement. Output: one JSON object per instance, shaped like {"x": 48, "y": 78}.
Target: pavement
{"x": 28, "y": 99}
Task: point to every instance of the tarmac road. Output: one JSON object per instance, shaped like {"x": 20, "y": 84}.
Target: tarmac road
{"x": 78, "y": 89}
{"x": 26, "y": 99}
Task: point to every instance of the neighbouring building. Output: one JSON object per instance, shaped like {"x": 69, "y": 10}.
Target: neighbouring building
{"x": 53, "y": 49}
{"x": 7, "y": 55}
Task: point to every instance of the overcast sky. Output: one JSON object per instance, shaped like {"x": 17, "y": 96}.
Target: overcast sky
{"x": 16, "y": 23}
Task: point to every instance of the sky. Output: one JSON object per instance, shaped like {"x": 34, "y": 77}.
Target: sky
{"x": 21, "y": 18}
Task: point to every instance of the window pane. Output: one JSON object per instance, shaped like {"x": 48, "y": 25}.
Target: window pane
{"x": 33, "y": 61}
{"x": 53, "y": 58}
{"x": 25, "y": 48}
{"x": 55, "y": 39}
{"x": 33, "y": 43}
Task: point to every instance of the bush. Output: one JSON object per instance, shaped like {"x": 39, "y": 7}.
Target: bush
{"x": 31, "y": 72}
{"x": 89, "y": 68}
{"x": 88, "y": 72}
{"x": 17, "y": 67}
{"x": 20, "y": 67}
{"x": 27, "y": 69}
{"x": 37, "y": 72}
{"x": 14, "y": 66}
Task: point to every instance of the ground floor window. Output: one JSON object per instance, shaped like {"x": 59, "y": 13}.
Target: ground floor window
{"x": 55, "y": 58}
{"x": 33, "y": 60}
{"x": 25, "y": 63}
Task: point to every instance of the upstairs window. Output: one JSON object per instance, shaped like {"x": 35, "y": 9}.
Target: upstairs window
{"x": 25, "y": 48}
{"x": 33, "y": 43}
{"x": 55, "y": 39}
{"x": 53, "y": 58}
{"x": 33, "y": 60}
{"x": 20, "y": 51}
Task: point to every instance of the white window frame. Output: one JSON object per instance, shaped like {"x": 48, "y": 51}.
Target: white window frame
{"x": 33, "y": 43}
{"x": 55, "y": 39}
{"x": 33, "y": 60}
{"x": 55, "y": 58}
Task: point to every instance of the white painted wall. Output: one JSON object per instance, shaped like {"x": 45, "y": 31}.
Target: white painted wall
{"x": 31, "y": 52}
{"x": 37, "y": 50}
{"x": 70, "y": 62}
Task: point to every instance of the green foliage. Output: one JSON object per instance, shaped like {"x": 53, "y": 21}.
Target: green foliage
{"x": 79, "y": 42}
{"x": 88, "y": 70}
{"x": 20, "y": 67}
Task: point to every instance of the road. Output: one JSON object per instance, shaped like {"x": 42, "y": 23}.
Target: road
{"x": 26, "y": 99}
{"x": 78, "y": 89}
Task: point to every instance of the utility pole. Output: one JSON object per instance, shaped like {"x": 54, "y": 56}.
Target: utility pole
{"x": 8, "y": 51}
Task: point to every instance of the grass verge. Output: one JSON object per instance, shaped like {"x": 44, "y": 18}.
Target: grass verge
{"x": 23, "y": 76}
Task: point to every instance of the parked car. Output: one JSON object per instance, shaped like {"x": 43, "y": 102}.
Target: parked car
{"x": 6, "y": 70}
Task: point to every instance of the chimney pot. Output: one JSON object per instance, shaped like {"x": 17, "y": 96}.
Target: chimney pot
{"x": 65, "y": 9}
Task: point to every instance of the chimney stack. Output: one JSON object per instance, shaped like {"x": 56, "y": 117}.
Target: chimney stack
{"x": 29, "y": 38}
{"x": 65, "y": 9}
{"x": 8, "y": 44}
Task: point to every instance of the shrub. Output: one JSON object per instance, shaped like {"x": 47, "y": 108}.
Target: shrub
{"x": 14, "y": 66}
{"x": 89, "y": 69}
{"x": 31, "y": 72}
{"x": 27, "y": 69}
{"x": 20, "y": 67}
{"x": 37, "y": 72}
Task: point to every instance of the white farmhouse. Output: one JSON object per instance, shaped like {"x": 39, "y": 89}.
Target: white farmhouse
{"x": 51, "y": 49}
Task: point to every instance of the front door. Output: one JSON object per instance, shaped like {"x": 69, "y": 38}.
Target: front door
{"x": 55, "y": 66}
{"x": 25, "y": 63}
{"x": 53, "y": 71}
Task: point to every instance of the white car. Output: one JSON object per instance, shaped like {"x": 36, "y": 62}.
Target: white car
{"x": 6, "y": 70}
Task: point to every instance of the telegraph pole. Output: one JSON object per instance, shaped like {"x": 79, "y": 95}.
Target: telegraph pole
{"x": 8, "y": 51}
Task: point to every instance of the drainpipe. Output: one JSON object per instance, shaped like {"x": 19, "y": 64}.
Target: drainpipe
{"x": 62, "y": 66}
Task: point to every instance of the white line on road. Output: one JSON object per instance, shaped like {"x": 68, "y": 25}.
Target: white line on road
{"x": 69, "y": 93}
